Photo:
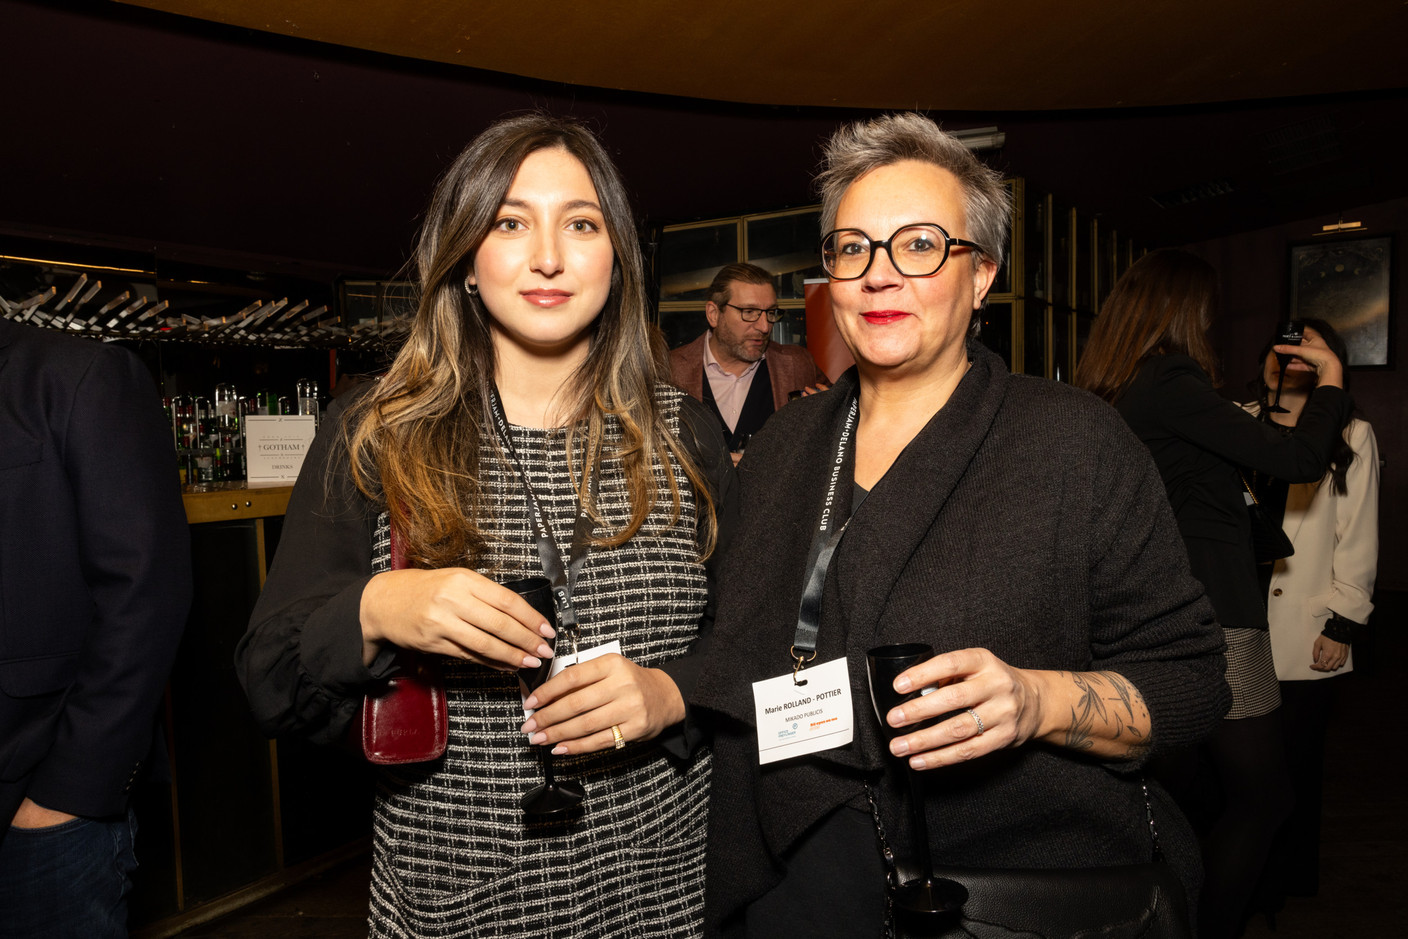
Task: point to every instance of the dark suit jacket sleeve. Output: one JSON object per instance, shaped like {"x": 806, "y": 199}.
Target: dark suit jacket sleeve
{"x": 1191, "y": 408}
{"x": 687, "y": 367}
{"x": 792, "y": 368}
{"x": 134, "y": 550}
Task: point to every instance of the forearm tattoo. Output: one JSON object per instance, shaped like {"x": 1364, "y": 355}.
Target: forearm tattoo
{"x": 1109, "y": 708}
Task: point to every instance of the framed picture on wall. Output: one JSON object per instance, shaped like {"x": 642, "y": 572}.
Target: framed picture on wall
{"x": 1347, "y": 284}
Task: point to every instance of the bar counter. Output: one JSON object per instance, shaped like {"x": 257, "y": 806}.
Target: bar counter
{"x": 243, "y": 815}
{"x": 223, "y": 502}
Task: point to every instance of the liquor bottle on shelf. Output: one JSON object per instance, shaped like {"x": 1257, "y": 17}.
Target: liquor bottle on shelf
{"x": 187, "y": 436}
{"x": 227, "y": 402}
{"x": 227, "y": 438}
{"x": 308, "y": 397}
{"x": 204, "y": 426}
{"x": 203, "y": 465}
{"x": 209, "y": 433}
{"x": 168, "y": 408}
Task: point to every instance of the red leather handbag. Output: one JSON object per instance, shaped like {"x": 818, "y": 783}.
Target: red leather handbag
{"x": 406, "y": 718}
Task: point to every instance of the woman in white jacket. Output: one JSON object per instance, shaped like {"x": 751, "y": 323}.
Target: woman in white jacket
{"x": 1315, "y": 600}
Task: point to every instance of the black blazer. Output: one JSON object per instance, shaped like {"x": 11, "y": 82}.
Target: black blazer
{"x": 1199, "y": 440}
{"x": 95, "y": 571}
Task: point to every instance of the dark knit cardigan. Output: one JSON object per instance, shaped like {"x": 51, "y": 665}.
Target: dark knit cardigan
{"x": 1026, "y": 519}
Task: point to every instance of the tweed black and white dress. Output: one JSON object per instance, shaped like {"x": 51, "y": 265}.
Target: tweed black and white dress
{"x": 454, "y": 854}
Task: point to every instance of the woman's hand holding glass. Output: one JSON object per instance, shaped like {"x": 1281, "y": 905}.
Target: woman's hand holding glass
{"x": 1313, "y": 351}
{"x": 992, "y": 705}
{"x": 452, "y": 611}
{"x": 575, "y": 710}
{"x": 966, "y": 681}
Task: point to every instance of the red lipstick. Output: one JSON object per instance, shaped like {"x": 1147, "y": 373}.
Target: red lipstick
{"x": 883, "y": 317}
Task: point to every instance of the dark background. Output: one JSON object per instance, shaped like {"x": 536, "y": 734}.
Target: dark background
{"x": 203, "y": 144}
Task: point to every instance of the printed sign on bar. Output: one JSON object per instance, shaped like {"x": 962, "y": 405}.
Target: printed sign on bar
{"x": 275, "y": 446}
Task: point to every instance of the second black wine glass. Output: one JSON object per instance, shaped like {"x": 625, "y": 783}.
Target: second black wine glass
{"x": 553, "y": 797}
{"x": 926, "y": 895}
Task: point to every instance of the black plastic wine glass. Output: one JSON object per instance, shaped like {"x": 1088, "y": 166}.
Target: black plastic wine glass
{"x": 552, "y": 797}
{"x": 1291, "y": 334}
{"x": 927, "y": 895}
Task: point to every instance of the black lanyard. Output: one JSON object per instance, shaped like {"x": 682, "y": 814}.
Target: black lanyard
{"x": 828, "y": 534}
{"x": 563, "y": 578}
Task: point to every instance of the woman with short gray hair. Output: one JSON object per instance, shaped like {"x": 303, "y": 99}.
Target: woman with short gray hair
{"x": 930, "y": 497}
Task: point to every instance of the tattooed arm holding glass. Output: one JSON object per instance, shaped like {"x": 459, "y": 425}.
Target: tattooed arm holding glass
{"x": 1013, "y": 524}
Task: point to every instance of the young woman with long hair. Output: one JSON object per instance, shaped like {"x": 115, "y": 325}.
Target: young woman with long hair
{"x": 530, "y": 384}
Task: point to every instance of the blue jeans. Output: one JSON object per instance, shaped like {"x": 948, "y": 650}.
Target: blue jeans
{"x": 67, "y": 882}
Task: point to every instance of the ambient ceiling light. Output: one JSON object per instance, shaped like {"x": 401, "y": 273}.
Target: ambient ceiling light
{"x": 1340, "y": 226}
{"x": 981, "y": 138}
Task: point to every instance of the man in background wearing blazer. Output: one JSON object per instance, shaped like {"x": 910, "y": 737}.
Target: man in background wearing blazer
{"x": 95, "y": 585}
{"x": 734, "y": 367}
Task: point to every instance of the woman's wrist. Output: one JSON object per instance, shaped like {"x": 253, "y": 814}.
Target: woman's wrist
{"x": 373, "y": 641}
{"x": 1330, "y": 375}
{"x": 1339, "y": 629}
{"x": 669, "y": 702}
{"x": 1101, "y": 713}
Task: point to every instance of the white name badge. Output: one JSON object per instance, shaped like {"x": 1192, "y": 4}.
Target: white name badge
{"x": 794, "y": 720}
{"x": 564, "y": 659}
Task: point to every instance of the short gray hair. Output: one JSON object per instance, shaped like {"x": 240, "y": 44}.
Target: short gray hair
{"x": 858, "y": 148}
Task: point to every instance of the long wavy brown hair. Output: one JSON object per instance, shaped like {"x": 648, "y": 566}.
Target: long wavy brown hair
{"x": 1163, "y": 305}
{"x": 414, "y": 441}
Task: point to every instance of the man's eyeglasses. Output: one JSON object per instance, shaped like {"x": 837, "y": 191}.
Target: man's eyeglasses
{"x": 916, "y": 251}
{"x": 750, "y": 314}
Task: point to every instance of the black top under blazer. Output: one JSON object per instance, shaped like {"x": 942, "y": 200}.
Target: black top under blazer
{"x": 1199, "y": 440}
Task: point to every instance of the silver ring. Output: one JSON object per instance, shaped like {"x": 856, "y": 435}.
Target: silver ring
{"x": 978, "y": 720}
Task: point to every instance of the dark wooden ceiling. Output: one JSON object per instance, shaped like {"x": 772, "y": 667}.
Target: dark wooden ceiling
{"x": 943, "y": 54}
{"x": 308, "y": 134}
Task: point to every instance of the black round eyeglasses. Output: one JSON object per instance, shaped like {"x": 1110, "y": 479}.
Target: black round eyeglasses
{"x": 916, "y": 250}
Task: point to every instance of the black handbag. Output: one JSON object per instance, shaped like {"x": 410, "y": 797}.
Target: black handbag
{"x": 1269, "y": 540}
{"x": 1130, "y": 901}
{"x": 1133, "y": 901}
